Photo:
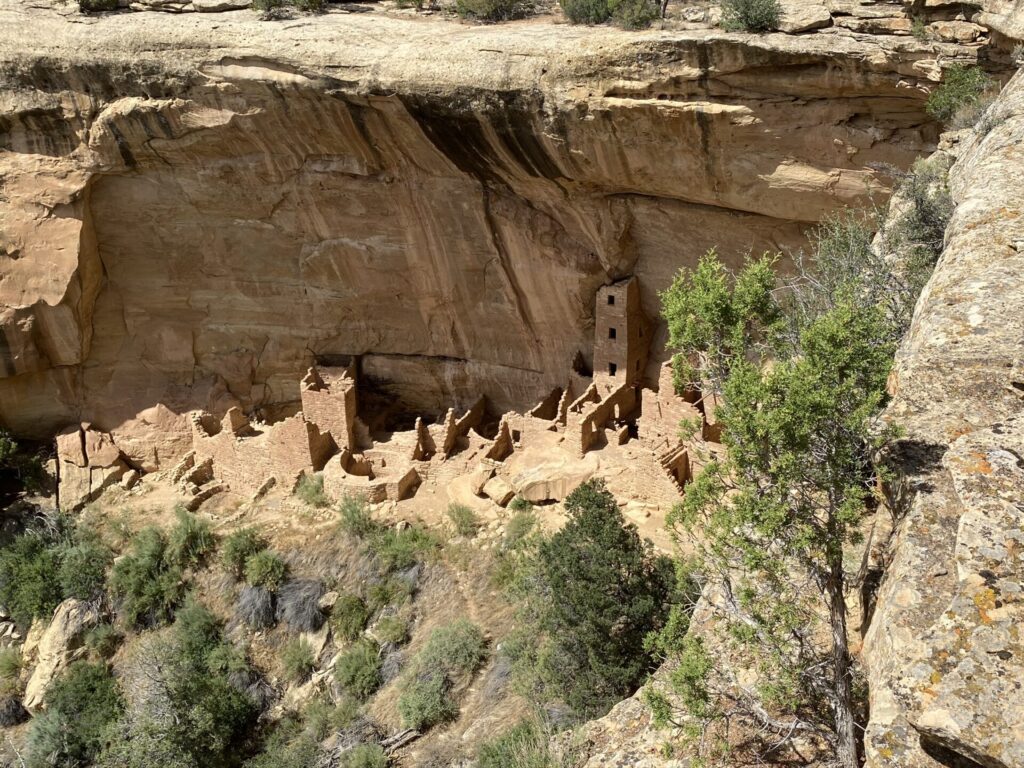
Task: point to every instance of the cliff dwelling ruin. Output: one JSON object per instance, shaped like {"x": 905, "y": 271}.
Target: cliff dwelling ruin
{"x": 540, "y": 454}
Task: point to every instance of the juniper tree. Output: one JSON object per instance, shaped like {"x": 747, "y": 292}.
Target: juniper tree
{"x": 802, "y": 379}
{"x": 592, "y": 591}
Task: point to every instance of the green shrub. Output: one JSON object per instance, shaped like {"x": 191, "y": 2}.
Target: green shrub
{"x": 310, "y": 488}
{"x": 30, "y": 577}
{"x": 513, "y": 554}
{"x": 239, "y": 547}
{"x": 196, "y": 632}
{"x": 635, "y": 14}
{"x": 452, "y": 651}
{"x": 454, "y": 648}
{"x": 392, "y": 629}
{"x": 396, "y": 550}
{"x": 146, "y": 585}
{"x": 586, "y": 11}
{"x": 919, "y": 29}
{"x": 427, "y": 701}
{"x": 80, "y": 705}
{"x": 464, "y": 520}
{"x": 358, "y": 669}
{"x": 365, "y": 756}
{"x": 190, "y": 540}
{"x": 195, "y": 711}
{"x": 919, "y": 229}
{"x": 356, "y": 519}
{"x": 349, "y": 617}
{"x": 519, "y": 504}
{"x": 521, "y": 525}
{"x": 103, "y": 640}
{"x": 10, "y": 663}
{"x": 302, "y": 751}
{"x": 268, "y": 6}
{"x": 492, "y": 10}
{"x": 524, "y": 745}
{"x": 311, "y": 6}
{"x": 47, "y": 563}
{"x": 321, "y": 717}
{"x": 265, "y": 569}
{"x": 962, "y": 88}
{"x": 391, "y": 591}
{"x": 83, "y": 569}
{"x": 20, "y": 469}
{"x": 297, "y": 660}
{"x": 750, "y": 15}
{"x": 210, "y": 716}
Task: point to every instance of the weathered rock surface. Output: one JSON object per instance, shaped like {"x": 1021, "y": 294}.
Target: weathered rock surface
{"x": 57, "y": 647}
{"x": 1005, "y": 17}
{"x": 87, "y": 463}
{"x": 944, "y": 650}
{"x": 195, "y": 206}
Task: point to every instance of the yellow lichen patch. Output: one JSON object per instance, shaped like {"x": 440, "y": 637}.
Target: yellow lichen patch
{"x": 985, "y": 601}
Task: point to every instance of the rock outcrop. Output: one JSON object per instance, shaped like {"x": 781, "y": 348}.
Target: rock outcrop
{"x": 57, "y": 647}
{"x": 944, "y": 651}
{"x": 195, "y": 208}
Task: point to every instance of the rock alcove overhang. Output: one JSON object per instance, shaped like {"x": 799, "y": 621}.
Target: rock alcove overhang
{"x": 213, "y": 223}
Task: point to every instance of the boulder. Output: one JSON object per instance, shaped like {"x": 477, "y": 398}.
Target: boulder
{"x": 217, "y": 6}
{"x": 498, "y": 491}
{"x": 956, "y": 31}
{"x": 798, "y": 16}
{"x": 58, "y": 646}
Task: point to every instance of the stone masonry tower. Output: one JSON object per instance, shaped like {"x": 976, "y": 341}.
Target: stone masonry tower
{"x": 620, "y": 333}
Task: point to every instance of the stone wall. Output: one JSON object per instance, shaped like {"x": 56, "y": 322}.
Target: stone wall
{"x": 621, "y": 332}
{"x": 245, "y": 456}
{"x": 329, "y": 401}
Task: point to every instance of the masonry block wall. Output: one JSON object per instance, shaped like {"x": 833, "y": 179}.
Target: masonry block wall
{"x": 621, "y": 335}
{"x": 244, "y": 457}
{"x": 329, "y": 401}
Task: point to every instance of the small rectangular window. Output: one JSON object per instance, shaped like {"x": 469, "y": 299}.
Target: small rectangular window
{"x": 611, "y": 333}
{"x": 612, "y": 368}
{"x": 611, "y": 299}
{"x": 638, "y": 365}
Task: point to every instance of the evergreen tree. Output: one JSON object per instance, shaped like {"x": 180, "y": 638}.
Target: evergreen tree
{"x": 594, "y": 591}
{"x": 771, "y": 517}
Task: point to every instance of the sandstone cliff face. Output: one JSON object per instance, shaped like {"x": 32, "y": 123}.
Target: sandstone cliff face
{"x": 196, "y": 207}
{"x": 944, "y": 650}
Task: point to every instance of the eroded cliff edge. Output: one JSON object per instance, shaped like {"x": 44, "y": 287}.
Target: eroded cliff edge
{"x": 195, "y": 207}
{"x": 944, "y": 652}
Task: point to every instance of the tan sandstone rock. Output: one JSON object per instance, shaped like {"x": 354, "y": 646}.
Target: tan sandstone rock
{"x": 800, "y": 16}
{"x": 218, "y": 201}
{"x": 958, "y": 385}
{"x": 58, "y": 646}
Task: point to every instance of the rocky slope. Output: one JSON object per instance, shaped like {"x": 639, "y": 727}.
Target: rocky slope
{"x": 196, "y": 206}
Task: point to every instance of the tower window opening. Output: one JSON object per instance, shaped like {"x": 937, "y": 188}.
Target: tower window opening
{"x": 611, "y": 333}
{"x": 612, "y": 368}
{"x": 611, "y": 299}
